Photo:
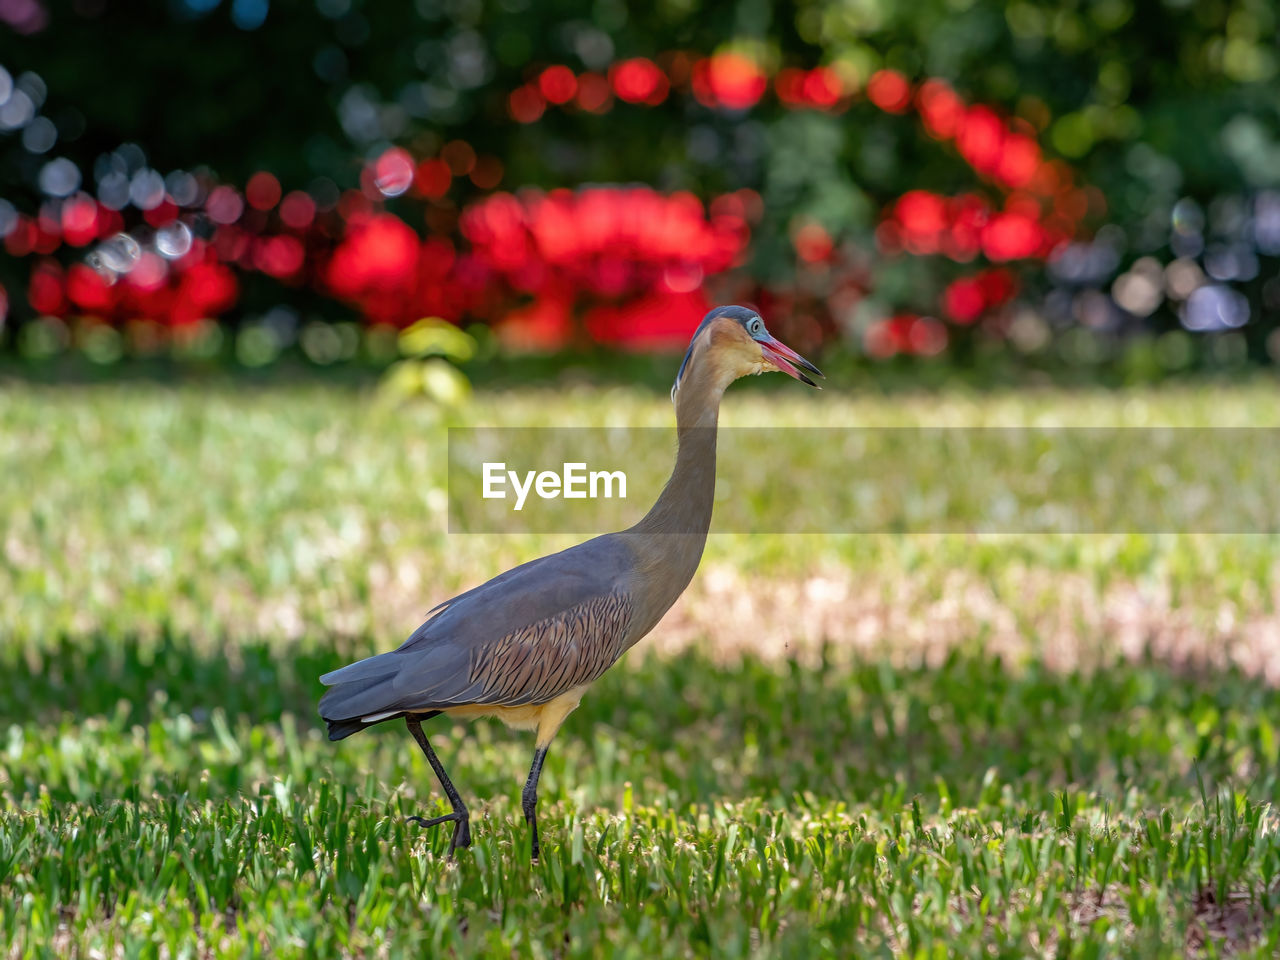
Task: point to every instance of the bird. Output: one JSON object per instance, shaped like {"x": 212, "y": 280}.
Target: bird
{"x": 525, "y": 646}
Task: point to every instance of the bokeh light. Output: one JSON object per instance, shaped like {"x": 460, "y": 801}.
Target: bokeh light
{"x": 729, "y": 80}
{"x": 978, "y": 204}
{"x": 262, "y": 191}
{"x": 889, "y": 90}
{"x": 393, "y": 172}
{"x": 557, "y": 84}
{"x": 639, "y": 81}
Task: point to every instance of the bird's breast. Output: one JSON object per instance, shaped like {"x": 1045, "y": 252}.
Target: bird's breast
{"x": 543, "y": 717}
{"x": 524, "y": 717}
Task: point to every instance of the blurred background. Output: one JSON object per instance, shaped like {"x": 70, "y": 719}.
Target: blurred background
{"x": 232, "y": 230}
{"x": 947, "y": 188}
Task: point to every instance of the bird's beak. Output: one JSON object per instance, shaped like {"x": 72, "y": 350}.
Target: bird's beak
{"x": 788, "y": 361}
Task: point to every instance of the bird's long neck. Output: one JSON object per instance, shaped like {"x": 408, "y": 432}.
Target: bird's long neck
{"x": 670, "y": 538}
{"x": 684, "y": 506}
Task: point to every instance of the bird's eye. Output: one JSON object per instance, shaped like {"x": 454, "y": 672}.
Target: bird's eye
{"x": 756, "y": 327}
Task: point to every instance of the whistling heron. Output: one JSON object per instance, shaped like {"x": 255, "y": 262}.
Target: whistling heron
{"x": 525, "y": 646}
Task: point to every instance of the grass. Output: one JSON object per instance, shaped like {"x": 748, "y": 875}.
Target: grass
{"x": 915, "y": 746}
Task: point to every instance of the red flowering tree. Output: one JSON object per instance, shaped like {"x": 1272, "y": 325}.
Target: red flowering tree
{"x": 482, "y": 172}
{"x": 621, "y": 265}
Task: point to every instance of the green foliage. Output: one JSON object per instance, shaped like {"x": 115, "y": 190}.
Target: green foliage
{"x": 1093, "y": 66}
{"x": 180, "y": 566}
{"x": 431, "y": 348}
{"x": 687, "y": 809}
{"x": 1152, "y": 103}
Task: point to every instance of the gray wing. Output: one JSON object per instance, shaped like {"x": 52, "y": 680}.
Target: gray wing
{"x": 523, "y": 637}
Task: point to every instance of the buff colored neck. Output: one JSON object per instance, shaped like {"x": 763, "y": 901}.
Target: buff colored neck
{"x": 669, "y": 540}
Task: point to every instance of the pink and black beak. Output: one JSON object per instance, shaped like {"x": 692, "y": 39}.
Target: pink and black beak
{"x": 787, "y": 360}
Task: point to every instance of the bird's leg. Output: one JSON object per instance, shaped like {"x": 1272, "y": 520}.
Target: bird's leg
{"x": 460, "y": 819}
{"x": 529, "y": 798}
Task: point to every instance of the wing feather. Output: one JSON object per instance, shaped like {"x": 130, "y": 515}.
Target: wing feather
{"x": 524, "y": 637}
{"x": 546, "y": 658}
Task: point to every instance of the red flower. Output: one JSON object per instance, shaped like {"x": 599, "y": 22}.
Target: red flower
{"x": 980, "y": 138}
{"x": 382, "y": 253}
{"x": 997, "y": 286}
{"x": 21, "y": 237}
{"x": 44, "y": 289}
{"x": 593, "y": 93}
{"x": 659, "y": 321}
{"x": 280, "y": 256}
{"x": 88, "y": 291}
{"x": 926, "y": 337}
{"x": 963, "y": 300}
{"x": 789, "y": 86}
{"x": 905, "y": 333}
{"x": 1019, "y": 160}
{"x": 433, "y": 178}
{"x": 639, "y": 81}
{"x": 164, "y": 212}
{"x": 80, "y": 220}
{"x": 644, "y": 253}
{"x": 1012, "y": 236}
{"x": 205, "y": 290}
{"x": 262, "y": 191}
{"x": 526, "y": 104}
{"x": 822, "y": 88}
{"x": 728, "y": 80}
{"x": 966, "y": 299}
{"x": 545, "y": 324}
{"x": 109, "y": 222}
{"x": 48, "y": 232}
{"x": 557, "y": 84}
{"x": 968, "y": 214}
{"x": 923, "y": 217}
{"x": 607, "y": 238}
{"x": 813, "y": 244}
{"x": 889, "y": 90}
{"x": 941, "y": 109}
{"x": 297, "y": 210}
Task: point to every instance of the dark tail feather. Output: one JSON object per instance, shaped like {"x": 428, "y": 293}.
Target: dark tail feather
{"x": 341, "y": 729}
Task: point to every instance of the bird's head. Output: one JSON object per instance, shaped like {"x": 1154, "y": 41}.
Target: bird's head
{"x": 734, "y": 343}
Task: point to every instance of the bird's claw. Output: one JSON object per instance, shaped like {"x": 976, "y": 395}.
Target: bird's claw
{"x": 461, "y": 828}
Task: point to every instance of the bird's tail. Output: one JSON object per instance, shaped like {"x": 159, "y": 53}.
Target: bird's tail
{"x": 375, "y": 689}
{"x": 358, "y": 696}
{"x": 341, "y": 729}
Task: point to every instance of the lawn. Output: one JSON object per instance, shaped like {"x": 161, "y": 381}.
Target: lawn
{"x": 926, "y": 745}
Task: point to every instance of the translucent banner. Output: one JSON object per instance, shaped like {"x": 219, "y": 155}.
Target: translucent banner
{"x": 875, "y": 480}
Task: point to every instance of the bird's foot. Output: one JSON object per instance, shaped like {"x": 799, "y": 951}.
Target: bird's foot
{"x": 461, "y": 827}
